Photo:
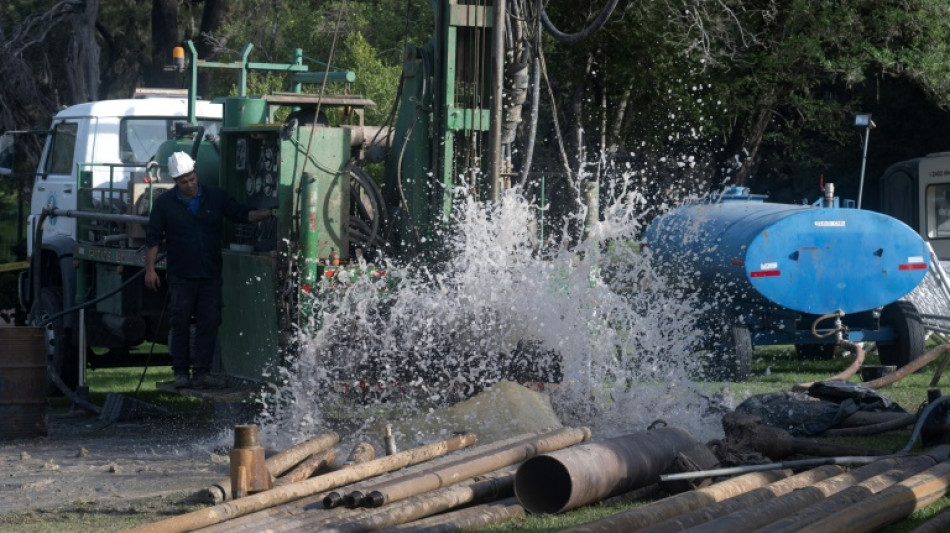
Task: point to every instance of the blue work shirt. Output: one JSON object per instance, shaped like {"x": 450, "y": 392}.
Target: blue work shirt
{"x": 192, "y": 240}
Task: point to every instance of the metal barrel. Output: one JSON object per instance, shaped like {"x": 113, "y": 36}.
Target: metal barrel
{"x": 23, "y": 406}
{"x": 573, "y": 477}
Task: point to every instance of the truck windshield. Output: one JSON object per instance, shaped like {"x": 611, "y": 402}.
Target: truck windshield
{"x": 139, "y": 138}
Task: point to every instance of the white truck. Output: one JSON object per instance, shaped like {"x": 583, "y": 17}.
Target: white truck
{"x": 917, "y": 192}
{"x": 99, "y": 156}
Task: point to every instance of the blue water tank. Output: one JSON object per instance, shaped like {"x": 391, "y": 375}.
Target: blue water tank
{"x": 808, "y": 259}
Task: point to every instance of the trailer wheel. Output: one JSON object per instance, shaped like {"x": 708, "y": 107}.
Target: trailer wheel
{"x": 62, "y": 354}
{"x": 910, "y": 331}
{"x": 730, "y": 353}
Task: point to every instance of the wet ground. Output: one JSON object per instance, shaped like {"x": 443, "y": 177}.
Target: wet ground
{"x": 103, "y": 467}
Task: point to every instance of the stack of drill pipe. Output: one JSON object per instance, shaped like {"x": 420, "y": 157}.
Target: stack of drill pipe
{"x": 256, "y": 521}
{"x": 891, "y": 505}
{"x": 764, "y": 514}
{"x": 469, "y": 467}
{"x": 308, "y": 511}
{"x": 276, "y": 465}
{"x": 466, "y": 519}
{"x": 569, "y": 478}
{"x": 695, "y": 507}
{"x": 832, "y": 504}
{"x": 262, "y": 500}
{"x": 355, "y": 492}
{"x": 490, "y": 487}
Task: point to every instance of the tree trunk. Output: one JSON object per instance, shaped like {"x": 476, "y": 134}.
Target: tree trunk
{"x": 211, "y": 19}
{"x": 763, "y": 117}
{"x": 82, "y": 70}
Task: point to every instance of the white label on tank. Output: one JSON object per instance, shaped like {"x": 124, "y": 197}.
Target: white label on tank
{"x": 768, "y": 266}
{"x": 915, "y": 259}
{"x": 830, "y": 223}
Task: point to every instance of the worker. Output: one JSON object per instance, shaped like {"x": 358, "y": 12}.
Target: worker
{"x": 188, "y": 218}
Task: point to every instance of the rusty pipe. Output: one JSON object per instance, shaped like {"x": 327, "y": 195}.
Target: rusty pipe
{"x": 490, "y": 487}
{"x": 833, "y": 504}
{"x": 262, "y": 500}
{"x": 276, "y": 465}
{"x": 306, "y": 469}
{"x": 355, "y": 497}
{"x": 474, "y": 517}
{"x": 465, "y": 468}
{"x": 891, "y": 504}
{"x": 685, "y": 502}
{"x": 755, "y": 517}
{"x": 569, "y": 478}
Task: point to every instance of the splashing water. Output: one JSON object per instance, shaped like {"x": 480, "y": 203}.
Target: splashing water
{"x": 595, "y": 315}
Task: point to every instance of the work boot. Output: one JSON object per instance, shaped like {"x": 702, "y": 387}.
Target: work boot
{"x": 208, "y": 381}
{"x": 182, "y": 381}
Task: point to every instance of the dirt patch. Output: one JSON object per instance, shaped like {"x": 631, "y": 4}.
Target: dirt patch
{"x": 119, "y": 473}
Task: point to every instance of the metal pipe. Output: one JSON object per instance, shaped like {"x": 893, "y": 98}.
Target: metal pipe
{"x": 276, "y": 465}
{"x": 890, "y": 505}
{"x": 306, "y": 469}
{"x": 498, "y": 484}
{"x": 262, "y": 500}
{"x": 497, "y": 103}
{"x": 105, "y": 217}
{"x": 465, "y": 468}
{"x": 337, "y": 498}
{"x": 478, "y": 516}
{"x": 685, "y": 502}
{"x": 573, "y": 477}
{"x": 752, "y": 518}
{"x": 833, "y": 504}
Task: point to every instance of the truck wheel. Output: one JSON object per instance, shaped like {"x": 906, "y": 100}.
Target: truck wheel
{"x": 910, "y": 332}
{"x": 730, "y": 350}
{"x": 62, "y": 355}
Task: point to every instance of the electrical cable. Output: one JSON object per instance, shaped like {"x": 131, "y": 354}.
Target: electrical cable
{"x": 597, "y": 24}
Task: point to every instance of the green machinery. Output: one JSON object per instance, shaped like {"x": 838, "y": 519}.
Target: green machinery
{"x": 300, "y": 155}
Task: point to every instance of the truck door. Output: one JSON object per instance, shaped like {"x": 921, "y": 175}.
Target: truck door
{"x": 56, "y": 185}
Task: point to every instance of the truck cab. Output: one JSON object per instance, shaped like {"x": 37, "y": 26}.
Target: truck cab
{"x": 100, "y": 157}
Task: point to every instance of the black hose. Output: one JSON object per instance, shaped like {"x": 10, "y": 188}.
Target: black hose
{"x": 583, "y": 34}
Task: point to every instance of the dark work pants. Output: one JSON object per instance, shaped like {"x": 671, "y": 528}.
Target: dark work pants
{"x": 199, "y": 299}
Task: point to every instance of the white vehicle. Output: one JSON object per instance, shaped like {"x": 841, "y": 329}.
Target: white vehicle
{"x": 917, "y": 192}
{"x": 99, "y": 155}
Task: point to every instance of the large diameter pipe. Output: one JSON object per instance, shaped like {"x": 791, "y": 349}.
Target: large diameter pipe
{"x": 288, "y": 493}
{"x": 276, "y": 465}
{"x": 567, "y": 479}
{"x": 304, "y": 470}
{"x": 890, "y": 505}
{"x": 461, "y": 470}
{"x": 697, "y": 506}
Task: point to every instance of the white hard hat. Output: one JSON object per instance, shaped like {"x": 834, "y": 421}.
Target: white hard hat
{"x": 180, "y": 164}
